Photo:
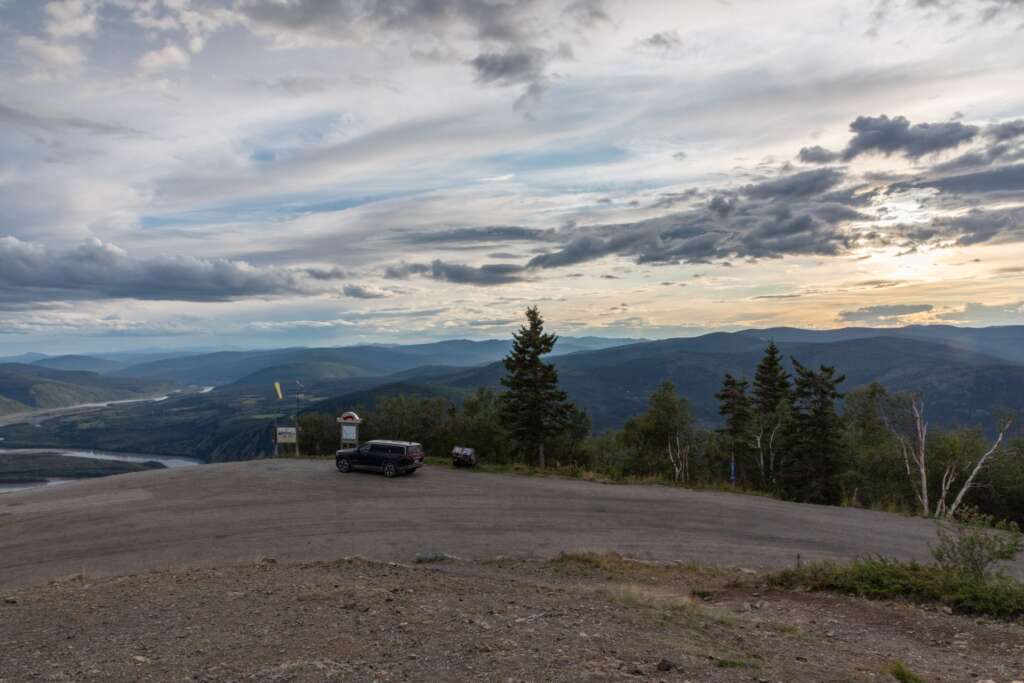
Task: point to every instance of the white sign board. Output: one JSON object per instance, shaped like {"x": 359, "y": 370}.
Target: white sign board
{"x": 286, "y": 435}
{"x": 349, "y": 432}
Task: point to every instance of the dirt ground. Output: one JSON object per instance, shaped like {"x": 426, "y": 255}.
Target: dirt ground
{"x": 574, "y": 618}
{"x": 304, "y": 510}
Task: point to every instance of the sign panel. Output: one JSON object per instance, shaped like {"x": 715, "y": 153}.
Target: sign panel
{"x": 349, "y": 432}
{"x": 286, "y": 435}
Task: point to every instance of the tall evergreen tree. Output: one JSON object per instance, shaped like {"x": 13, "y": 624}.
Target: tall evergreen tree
{"x": 771, "y": 382}
{"x": 533, "y": 407}
{"x": 815, "y": 440}
{"x": 772, "y": 403}
{"x": 734, "y": 405}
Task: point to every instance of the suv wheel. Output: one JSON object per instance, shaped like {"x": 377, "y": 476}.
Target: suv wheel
{"x": 343, "y": 465}
{"x": 390, "y": 470}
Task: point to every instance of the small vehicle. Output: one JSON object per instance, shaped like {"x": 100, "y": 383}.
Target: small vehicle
{"x": 463, "y": 457}
{"x": 388, "y": 457}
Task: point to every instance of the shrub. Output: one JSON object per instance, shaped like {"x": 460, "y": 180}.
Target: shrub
{"x": 880, "y": 578}
{"x": 902, "y": 674}
{"x": 972, "y": 543}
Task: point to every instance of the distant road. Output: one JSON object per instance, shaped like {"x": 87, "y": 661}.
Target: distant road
{"x": 305, "y": 510}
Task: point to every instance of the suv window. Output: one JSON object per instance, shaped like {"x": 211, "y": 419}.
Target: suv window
{"x": 397, "y": 450}
{"x": 378, "y": 448}
{"x": 415, "y": 450}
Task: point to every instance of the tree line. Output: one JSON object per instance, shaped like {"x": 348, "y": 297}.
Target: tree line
{"x": 796, "y": 436}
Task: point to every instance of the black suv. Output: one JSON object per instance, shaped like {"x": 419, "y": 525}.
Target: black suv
{"x": 389, "y": 457}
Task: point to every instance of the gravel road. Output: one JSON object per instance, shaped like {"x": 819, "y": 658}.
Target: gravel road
{"x": 305, "y": 510}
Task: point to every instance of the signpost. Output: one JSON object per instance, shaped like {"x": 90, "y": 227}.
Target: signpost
{"x": 349, "y": 422}
{"x": 287, "y": 435}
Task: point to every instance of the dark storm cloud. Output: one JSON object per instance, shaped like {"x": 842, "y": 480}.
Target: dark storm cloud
{"x": 883, "y": 312}
{"x": 802, "y": 184}
{"x": 817, "y": 155}
{"x": 896, "y": 135}
{"x": 457, "y": 273}
{"x": 96, "y": 270}
{"x": 493, "y": 233}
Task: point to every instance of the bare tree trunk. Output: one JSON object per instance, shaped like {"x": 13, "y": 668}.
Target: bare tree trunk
{"x": 540, "y": 455}
{"x": 978, "y": 467}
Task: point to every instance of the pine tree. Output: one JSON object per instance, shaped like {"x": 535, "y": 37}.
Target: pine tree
{"x": 772, "y": 402}
{"x": 771, "y": 382}
{"x": 811, "y": 470}
{"x": 734, "y": 404}
{"x": 533, "y": 406}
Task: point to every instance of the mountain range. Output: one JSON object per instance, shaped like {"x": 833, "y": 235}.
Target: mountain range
{"x": 966, "y": 376}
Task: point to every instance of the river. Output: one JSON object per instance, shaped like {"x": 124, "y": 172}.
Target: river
{"x": 168, "y": 461}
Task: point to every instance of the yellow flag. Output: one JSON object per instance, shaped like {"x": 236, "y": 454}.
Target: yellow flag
{"x": 277, "y": 388}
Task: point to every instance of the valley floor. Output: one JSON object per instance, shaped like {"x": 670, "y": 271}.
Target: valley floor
{"x": 573, "y": 618}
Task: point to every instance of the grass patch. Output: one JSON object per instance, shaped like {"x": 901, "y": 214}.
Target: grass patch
{"x": 901, "y": 673}
{"x": 427, "y": 558}
{"x": 880, "y": 579}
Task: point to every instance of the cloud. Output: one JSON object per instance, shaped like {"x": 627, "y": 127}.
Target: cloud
{"x": 59, "y": 58}
{"x": 361, "y": 292}
{"x": 98, "y": 270}
{"x": 168, "y": 57}
{"x": 71, "y": 18}
{"x": 986, "y": 314}
{"x": 883, "y": 313}
{"x": 457, "y": 273}
{"x": 1007, "y": 130}
{"x": 895, "y": 135}
{"x": 481, "y": 235}
{"x": 509, "y": 68}
{"x": 588, "y": 13}
{"x": 56, "y": 122}
{"x": 662, "y": 40}
{"x": 804, "y": 184}
{"x": 1003, "y": 179}
{"x": 817, "y": 155}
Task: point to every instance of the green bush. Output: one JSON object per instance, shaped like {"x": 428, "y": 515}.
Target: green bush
{"x": 880, "y": 578}
{"x": 902, "y": 674}
{"x": 972, "y": 543}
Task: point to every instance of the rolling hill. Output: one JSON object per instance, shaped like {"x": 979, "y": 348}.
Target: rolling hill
{"x": 227, "y": 367}
{"x": 73, "y": 362}
{"x": 962, "y": 387}
{"x": 30, "y": 387}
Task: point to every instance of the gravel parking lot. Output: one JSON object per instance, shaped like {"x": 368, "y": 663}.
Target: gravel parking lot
{"x": 303, "y": 510}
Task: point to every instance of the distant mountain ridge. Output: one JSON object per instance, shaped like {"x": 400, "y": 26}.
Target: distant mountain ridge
{"x": 31, "y": 387}
{"x": 962, "y": 386}
{"x": 965, "y": 376}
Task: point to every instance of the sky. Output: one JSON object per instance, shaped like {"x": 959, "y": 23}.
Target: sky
{"x": 258, "y": 173}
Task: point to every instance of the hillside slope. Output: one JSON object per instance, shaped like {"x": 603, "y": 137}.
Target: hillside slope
{"x": 962, "y": 387}
{"x": 29, "y": 387}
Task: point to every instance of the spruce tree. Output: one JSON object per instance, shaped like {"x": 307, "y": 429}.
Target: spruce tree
{"x": 734, "y": 405}
{"x": 771, "y": 382}
{"x": 772, "y": 402}
{"x": 811, "y": 470}
{"x": 533, "y": 407}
